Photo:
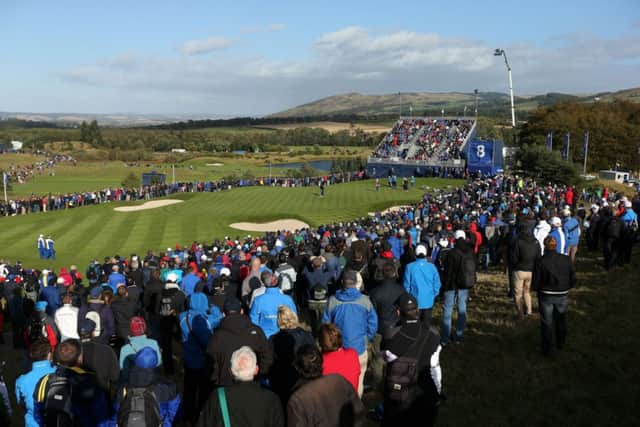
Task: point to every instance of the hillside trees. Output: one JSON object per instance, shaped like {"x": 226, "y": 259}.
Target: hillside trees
{"x": 614, "y": 132}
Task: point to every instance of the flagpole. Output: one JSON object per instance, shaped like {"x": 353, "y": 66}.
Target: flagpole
{"x": 5, "y": 178}
{"x": 568, "y": 146}
{"x": 586, "y": 151}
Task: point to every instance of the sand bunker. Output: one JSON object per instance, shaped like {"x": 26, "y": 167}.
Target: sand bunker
{"x": 391, "y": 209}
{"x": 147, "y": 205}
{"x": 283, "y": 224}
{"x": 214, "y": 164}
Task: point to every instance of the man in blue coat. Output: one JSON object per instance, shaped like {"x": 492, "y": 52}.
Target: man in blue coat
{"x": 264, "y": 310}
{"x": 356, "y": 317}
{"x": 115, "y": 278}
{"x": 421, "y": 279}
{"x": 571, "y": 229}
{"x": 558, "y": 235}
{"x": 40, "y": 354}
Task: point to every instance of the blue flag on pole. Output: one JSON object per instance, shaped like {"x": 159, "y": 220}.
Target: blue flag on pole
{"x": 550, "y": 141}
{"x": 565, "y": 147}
{"x": 585, "y": 144}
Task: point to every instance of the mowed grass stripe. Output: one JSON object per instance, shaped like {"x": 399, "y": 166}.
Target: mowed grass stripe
{"x": 202, "y": 216}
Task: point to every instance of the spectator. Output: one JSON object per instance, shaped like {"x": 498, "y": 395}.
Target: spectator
{"x": 66, "y": 318}
{"x": 98, "y": 357}
{"x": 411, "y": 344}
{"x": 336, "y": 359}
{"x": 553, "y": 277}
{"x": 137, "y": 340}
{"x": 243, "y": 403}
{"x": 354, "y": 314}
{"x": 40, "y": 355}
{"x": 264, "y": 309}
{"x": 571, "y": 230}
{"x": 284, "y": 345}
{"x": 421, "y": 280}
{"x": 526, "y": 253}
{"x": 322, "y": 400}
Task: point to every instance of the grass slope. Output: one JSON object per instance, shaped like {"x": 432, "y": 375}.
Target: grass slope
{"x": 84, "y": 233}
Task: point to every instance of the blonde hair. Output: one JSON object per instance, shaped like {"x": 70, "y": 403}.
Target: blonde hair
{"x": 287, "y": 318}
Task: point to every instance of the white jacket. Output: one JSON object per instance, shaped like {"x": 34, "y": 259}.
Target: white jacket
{"x": 66, "y": 318}
{"x": 541, "y": 232}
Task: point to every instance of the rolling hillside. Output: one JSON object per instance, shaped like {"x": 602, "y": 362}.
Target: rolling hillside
{"x": 433, "y": 103}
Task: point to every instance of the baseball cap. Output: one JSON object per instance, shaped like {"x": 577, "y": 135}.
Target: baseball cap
{"x": 406, "y": 302}
{"x": 443, "y": 242}
{"x": 147, "y": 358}
{"x": 555, "y": 221}
{"x": 95, "y": 292}
{"x": 225, "y": 271}
{"x": 137, "y": 326}
{"x": 421, "y": 250}
{"x": 172, "y": 278}
{"x": 349, "y": 276}
{"x": 459, "y": 234}
{"x": 232, "y": 304}
{"x": 86, "y": 326}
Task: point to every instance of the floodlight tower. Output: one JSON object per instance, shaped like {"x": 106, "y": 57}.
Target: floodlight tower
{"x": 501, "y": 52}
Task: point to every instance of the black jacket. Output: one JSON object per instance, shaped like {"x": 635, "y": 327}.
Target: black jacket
{"x": 100, "y": 359}
{"x": 525, "y": 252}
{"x": 459, "y": 268}
{"x": 124, "y": 308}
{"x": 235, "y": 331}
{"x": 284, "y": 345}
{"x": 383, "y": 298}
{"x": 151, "y": 297}
{"x": 553, "y": 274}
{"x": 249, "y": 405}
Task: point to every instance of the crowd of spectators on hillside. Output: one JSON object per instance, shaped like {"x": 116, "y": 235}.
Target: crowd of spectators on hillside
{"x": 425, "y": 139}
{"x": 287, "y": 324}
{"x": 20, "y": 174}
{"x": 50, "y": 202}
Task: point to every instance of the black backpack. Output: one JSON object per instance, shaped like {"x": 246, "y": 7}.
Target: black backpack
{"x": 468, "y": 273}
{"x": 54, "y": 391}
{"x": 139, "y": 408}
{"x": 36, "y": 329}
{"x": 401, "y": 380}
{"x": 167, "y": 303}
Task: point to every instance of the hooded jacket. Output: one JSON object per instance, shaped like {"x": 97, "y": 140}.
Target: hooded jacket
{"x": 571, "y": 229}
{"x": 264, "y": 310}
{"x": 166, "y": 393}
{"x": 553, "y": 274}
{"x": 383, "y": 298}
{"x": 540, "y": 232}
{"x": 354, "y": 314}
{"x": 197, "y": 326}
{"x": 421, "y": 279}
{"x": 525, "y": 252}
{"x": 559, "y": 237}
{"x": 236, "y": 330}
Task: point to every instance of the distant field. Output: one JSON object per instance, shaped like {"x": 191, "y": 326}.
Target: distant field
{"x": 331, "y": 126}
{"x": 90, "y": 175}
{"x": 84, "y": 233}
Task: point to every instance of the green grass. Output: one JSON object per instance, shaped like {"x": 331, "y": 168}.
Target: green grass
{"x": 84, "y": 233}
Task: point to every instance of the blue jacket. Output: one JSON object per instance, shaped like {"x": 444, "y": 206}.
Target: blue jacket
{"x": 197, "y": 325}
{"x": 559, "y": 237}
{"x": 189, "y": 284}
{"x": 629, "y": 216}
{"x": 421, "y": 279}
{"x": 354, "y": 314}
{"x": 51, "y": 295}
{"x": 166, "y": 393}
{"x": 264, "y": 311}
{"x": 26, "y": 385}
{"x": 114, "y": 279}
{"x": 571, "y": 229}
{"x": 135, "y": 344}
{"x": 396, "y": 247}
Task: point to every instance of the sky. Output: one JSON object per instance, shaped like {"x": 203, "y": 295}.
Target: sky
{"x": 259, "y": 57}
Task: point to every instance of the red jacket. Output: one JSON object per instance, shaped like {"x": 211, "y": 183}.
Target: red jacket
{"x": 343, "y": 362}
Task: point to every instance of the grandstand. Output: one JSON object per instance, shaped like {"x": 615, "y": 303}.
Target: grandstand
{"x": 423, "y": 146}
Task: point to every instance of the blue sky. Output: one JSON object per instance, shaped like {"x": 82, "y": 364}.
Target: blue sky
{"x": 250, "y": 57}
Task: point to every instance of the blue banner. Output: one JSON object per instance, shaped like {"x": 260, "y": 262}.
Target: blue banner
{"x": 480, "y": 154}
{"x": 565, "y": 146}
{"x": 550, "y": 141}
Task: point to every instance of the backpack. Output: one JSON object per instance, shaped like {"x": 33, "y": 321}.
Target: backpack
{"x": 95, "y": 316}
{"x": 614, "y": 228}
{"x": 402, "y": 374}
{"x": 139, "y": 408}
{"x": 38, "y": 329}
{"x": 285, "y": 282}
{"x": 318, "y": 292}
{"x": 632, "y": 227}
{"x": 167, "y": 304}
{"x": 468, "y": 273}
{"x": 54, "y": 392}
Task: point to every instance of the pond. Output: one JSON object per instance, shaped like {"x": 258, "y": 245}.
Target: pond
{"x": 323, "y": 165}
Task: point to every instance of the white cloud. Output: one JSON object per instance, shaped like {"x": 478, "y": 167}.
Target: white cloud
{"x": 272, "y": 28}
{"x": 355, "y": 59}
{"x": 198, "y": 47}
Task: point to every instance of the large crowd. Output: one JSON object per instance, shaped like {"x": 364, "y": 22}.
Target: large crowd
{"x": 280, "y": 329}
{"x": 22, "y": 173}
{"x": 424, "y": 139}
{"x": 54, "y": 202}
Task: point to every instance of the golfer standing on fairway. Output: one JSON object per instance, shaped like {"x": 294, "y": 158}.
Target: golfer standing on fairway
{"x": 41, "y": 247}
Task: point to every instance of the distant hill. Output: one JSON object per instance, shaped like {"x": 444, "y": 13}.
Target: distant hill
{"x": 453, "y": 103}
{"x": 109, "y": 120}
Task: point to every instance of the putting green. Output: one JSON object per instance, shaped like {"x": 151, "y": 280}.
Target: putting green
{"x": 97, "y": 231}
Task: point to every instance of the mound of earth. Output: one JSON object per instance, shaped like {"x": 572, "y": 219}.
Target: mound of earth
{"x": 147, "y": 205}
{"x": 282, "y": 224}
